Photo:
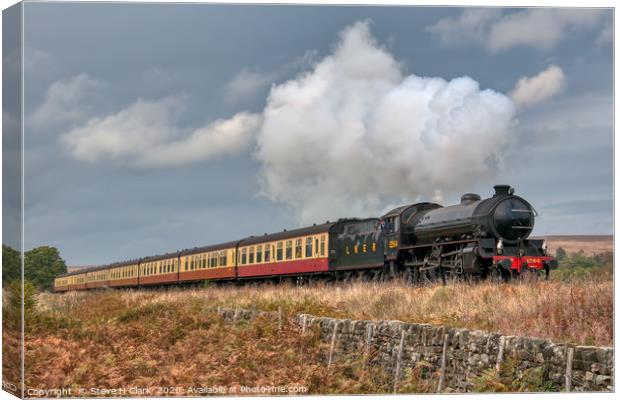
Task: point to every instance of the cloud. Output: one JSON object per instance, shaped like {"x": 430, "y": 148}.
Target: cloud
{"x": 469, "y": 27}
{"x": 606, "y": 35}
{"x": 540, "y": 28}
{"x": 536, "y": 89}
{"x": 66, "y": 102}
{"x": 34, "y": 59}
{"x": 247, "y": 84}
{"x": 145, "y": 134}
{"x": 353, "y": 135}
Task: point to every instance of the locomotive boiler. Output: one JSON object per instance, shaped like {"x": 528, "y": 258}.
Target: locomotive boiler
{"x": 478, "y": 237}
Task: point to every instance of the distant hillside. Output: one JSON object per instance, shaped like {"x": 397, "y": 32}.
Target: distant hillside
{"x": 590, "y": 244}
{"x": 73, "y": 268}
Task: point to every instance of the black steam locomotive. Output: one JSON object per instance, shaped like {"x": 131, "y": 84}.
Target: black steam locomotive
{"x": 476, "y": 238}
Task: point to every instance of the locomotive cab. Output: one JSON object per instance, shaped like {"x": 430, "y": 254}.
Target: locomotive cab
{"x": 396, "y": 227}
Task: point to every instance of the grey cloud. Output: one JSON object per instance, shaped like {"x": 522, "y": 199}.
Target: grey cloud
{"x": 540, "y": 28}
{"x": 67, "y": 101}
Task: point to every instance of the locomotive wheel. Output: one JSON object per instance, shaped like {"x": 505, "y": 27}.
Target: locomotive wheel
{"x": 498, "y": 275}
{"x": 431, "y": 274}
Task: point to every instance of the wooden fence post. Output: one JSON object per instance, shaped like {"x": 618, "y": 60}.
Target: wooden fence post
{"x": 569, "y": 369}
{"x": 332, "y": 346}
{"x": 500, "y": 353}
{"x": 442, "y": 372}
{"x": 398, "y": 360}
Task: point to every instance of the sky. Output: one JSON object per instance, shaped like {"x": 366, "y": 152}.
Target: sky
{"x": 156, "y": 127}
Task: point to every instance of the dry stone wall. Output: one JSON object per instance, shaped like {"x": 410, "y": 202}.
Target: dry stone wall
{"x": 459, "y": 354}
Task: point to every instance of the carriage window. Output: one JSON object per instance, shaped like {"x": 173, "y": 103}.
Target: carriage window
{"x": 267, "y": 252}
{"x": 244, "y": 256}
{"x": 279, "y": 252}
{"x": 252, "y": 255}
{"x": 222, "y": 259}
{"x": 259, "y": 253}
{"x": 322, "y": 245}
{"x": 289, "y": 249}
{"x": 214, "y": 259}
{"x": 297, "y": 248}
{"x": 309, "y": 247}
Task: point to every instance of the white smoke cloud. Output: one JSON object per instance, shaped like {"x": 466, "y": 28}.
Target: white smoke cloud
{"x": 354, "y": 134}
{"x": 533, "y": 90}
{"x": 145, "y": 134}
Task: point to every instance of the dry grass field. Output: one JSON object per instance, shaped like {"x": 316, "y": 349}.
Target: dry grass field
{"x": 577, "y": 312}
{"x": 161, "y": 338}
{"x": 589, "y": 244}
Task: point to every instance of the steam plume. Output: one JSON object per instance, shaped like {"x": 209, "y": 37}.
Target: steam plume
{"x": 354, "y": 135}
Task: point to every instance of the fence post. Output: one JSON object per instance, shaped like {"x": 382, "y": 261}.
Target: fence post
{"x": 369, "y": 332}
{"x": 569, "y": 369}
{"x": 236, "y": 315}
{"x": 442, "y": 372}
{"x": 398, "y": 360}
{"x": 332, "y": 346}
{"x": 500, "y": 353}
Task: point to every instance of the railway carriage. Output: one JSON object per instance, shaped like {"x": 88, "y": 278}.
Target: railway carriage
{"x": 97, "y": 277}
{"x": 208, "y": 263}
{"x": 159, "y": 270}
{"x": 299, "y": 251}
{"x": 124, "y": 274}
{"x": 61, "y": 284}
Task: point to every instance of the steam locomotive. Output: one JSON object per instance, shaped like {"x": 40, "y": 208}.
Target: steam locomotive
{"x": 478, "y": 238}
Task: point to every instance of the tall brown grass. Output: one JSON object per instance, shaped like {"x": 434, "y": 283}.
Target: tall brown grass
{"x": 163, "y": 338}
{"x": 576, "y": 312}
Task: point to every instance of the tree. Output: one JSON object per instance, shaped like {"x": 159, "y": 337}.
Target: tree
{"x": 42, "y": 265}
{"x": 560, "y": 254}
{"x": 11, "y": 265}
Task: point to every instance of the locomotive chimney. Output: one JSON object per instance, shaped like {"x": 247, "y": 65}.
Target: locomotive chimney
{"x": 501, "y": 190}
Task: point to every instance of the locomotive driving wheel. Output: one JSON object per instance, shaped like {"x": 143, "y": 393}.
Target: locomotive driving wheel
{"x": 454, "y": 273}
{"x": 430, "y": 272}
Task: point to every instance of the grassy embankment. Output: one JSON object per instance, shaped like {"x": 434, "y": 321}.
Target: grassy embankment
{"x": 112, "y": 339}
